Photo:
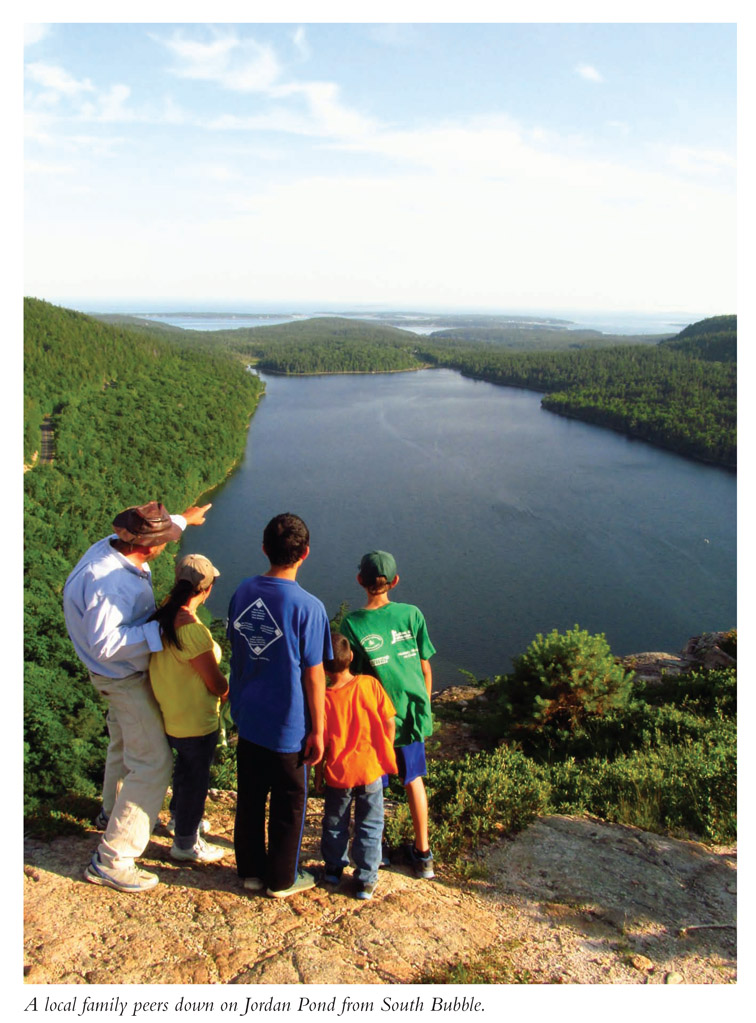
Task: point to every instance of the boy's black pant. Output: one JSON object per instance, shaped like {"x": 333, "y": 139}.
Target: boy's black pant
{"x": 260, "y": 772}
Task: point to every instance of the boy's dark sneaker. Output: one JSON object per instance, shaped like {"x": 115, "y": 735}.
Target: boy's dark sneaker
{"x": 365, "y": 890}
{"x": 422, "y": 864}
{"x": 332, "y": 876}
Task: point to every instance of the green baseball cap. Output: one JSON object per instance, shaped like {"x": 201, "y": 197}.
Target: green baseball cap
{"x": 377, "y": 563}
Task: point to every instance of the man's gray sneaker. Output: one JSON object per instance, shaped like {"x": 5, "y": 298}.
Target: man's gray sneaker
{"x": 126, "y": 879}
{"x": 200, "y": 852}
{"x": 303, "y": 881}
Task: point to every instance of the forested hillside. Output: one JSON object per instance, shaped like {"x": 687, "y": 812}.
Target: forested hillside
{"x": 714, "y": 339}
{"x": 324, "y": 344}
{"x": 677, "y": 394}
{"x": 538, "y": 337}
{"x": 134, "y": 417}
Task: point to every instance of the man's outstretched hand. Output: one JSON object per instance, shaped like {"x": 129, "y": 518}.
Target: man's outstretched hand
{"x": 195, "y": 515}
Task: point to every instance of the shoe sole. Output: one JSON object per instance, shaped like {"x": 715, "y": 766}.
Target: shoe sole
{"x": 286, "y": 894}
{"x": 108, "y": 882}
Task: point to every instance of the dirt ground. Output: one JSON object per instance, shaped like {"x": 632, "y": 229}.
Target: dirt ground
{"x": 570, "y": 900}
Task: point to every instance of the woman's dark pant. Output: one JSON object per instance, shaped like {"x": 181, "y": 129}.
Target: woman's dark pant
{"x": 283, "y": 776}
{"x": 191, "y": 780}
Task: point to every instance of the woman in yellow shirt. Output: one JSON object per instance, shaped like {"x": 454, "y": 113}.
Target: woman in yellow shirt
{"x": 189, "y": 686}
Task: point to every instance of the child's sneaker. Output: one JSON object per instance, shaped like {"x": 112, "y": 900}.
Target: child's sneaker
{"x": 302, "y": 882}
{"x": 365, "y": 890}
{"x": 200, "y": 852}
{"x": 421, "y": 863}
{"x": 332, "y": 876}
{"x": 385, "y": 855}
{"x": 253, "y": 884}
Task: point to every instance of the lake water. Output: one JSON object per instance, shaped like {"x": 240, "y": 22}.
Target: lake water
{"x": 505, "y": 520}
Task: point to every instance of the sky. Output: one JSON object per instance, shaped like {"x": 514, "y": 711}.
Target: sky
{"x": 482, "y": 165}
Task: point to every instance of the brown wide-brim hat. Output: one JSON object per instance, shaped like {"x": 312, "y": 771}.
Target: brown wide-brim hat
{"x": 146, "y": 525}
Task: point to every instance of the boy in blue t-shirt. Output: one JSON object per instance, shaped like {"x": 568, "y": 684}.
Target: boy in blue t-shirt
{"x": 280, "y": 635}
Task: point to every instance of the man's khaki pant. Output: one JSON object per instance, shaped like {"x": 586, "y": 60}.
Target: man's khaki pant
{"x": 140, "y": 760}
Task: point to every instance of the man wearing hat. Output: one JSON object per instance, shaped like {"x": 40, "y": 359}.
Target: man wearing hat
{"x": 107, "y": 600}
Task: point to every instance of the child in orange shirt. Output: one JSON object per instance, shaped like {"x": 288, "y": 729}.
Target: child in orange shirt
{"x": 359, "y": 750}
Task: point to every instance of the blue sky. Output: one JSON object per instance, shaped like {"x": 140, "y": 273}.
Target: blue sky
{"x": 496, "y": 165}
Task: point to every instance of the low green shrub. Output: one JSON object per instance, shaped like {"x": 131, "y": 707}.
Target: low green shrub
{"x": 686, "y": 787}
{"x": 223, "y": 769}
{"x": 481, "y": 797}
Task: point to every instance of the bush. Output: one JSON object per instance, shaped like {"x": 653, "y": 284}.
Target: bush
{"x": 481, "y": 797}
{"x": 685, "y": 787}
{"x": 560, "y": 684}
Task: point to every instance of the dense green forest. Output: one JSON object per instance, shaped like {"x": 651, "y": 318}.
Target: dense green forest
{"x": 536, "y": 337}
{"x": 134, "y": 417}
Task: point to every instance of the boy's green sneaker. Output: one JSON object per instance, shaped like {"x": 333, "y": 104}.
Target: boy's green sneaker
{"x": 302, "y": 882}
{"x": 421, "y": 863}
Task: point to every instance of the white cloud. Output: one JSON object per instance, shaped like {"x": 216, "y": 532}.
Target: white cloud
{"x": 242, "y": 65}
{"x": 299, "y": 38}
{"x": 589, "y": 72}
{"x": 56, "y": 80}
{"x": 34, "y": 33}
{"x": 703, "y": 162}
{"x": 37, "y": 167}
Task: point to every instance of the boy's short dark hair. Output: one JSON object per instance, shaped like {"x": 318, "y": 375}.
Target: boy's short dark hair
{"x": 286, "y": 539}
{"x": 342, "y": 654}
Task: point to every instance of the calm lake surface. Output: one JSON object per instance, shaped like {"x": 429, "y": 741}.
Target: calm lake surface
{"x": 505, "y": 520}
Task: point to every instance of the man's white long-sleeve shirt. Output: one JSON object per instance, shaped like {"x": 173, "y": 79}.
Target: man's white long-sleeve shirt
{"x": 106, "y": 602}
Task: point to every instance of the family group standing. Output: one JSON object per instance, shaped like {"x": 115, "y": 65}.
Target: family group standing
{"x": 354, "y": 704}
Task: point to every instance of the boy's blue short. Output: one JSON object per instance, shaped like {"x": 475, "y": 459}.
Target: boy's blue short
{"x": 411, "y": 761}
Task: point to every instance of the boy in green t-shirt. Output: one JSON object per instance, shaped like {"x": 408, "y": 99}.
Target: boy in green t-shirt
{"x": 391, "y": 642}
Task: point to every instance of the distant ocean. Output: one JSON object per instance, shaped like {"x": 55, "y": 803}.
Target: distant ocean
{"x": 606, "y": 322}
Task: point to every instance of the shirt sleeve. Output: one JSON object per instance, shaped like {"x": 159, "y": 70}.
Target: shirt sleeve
{"x": 195, "y": 640}
{"x": 317, "y": 639}
{"x": 424, "y": 645}
{"x": 386, "y": 709}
